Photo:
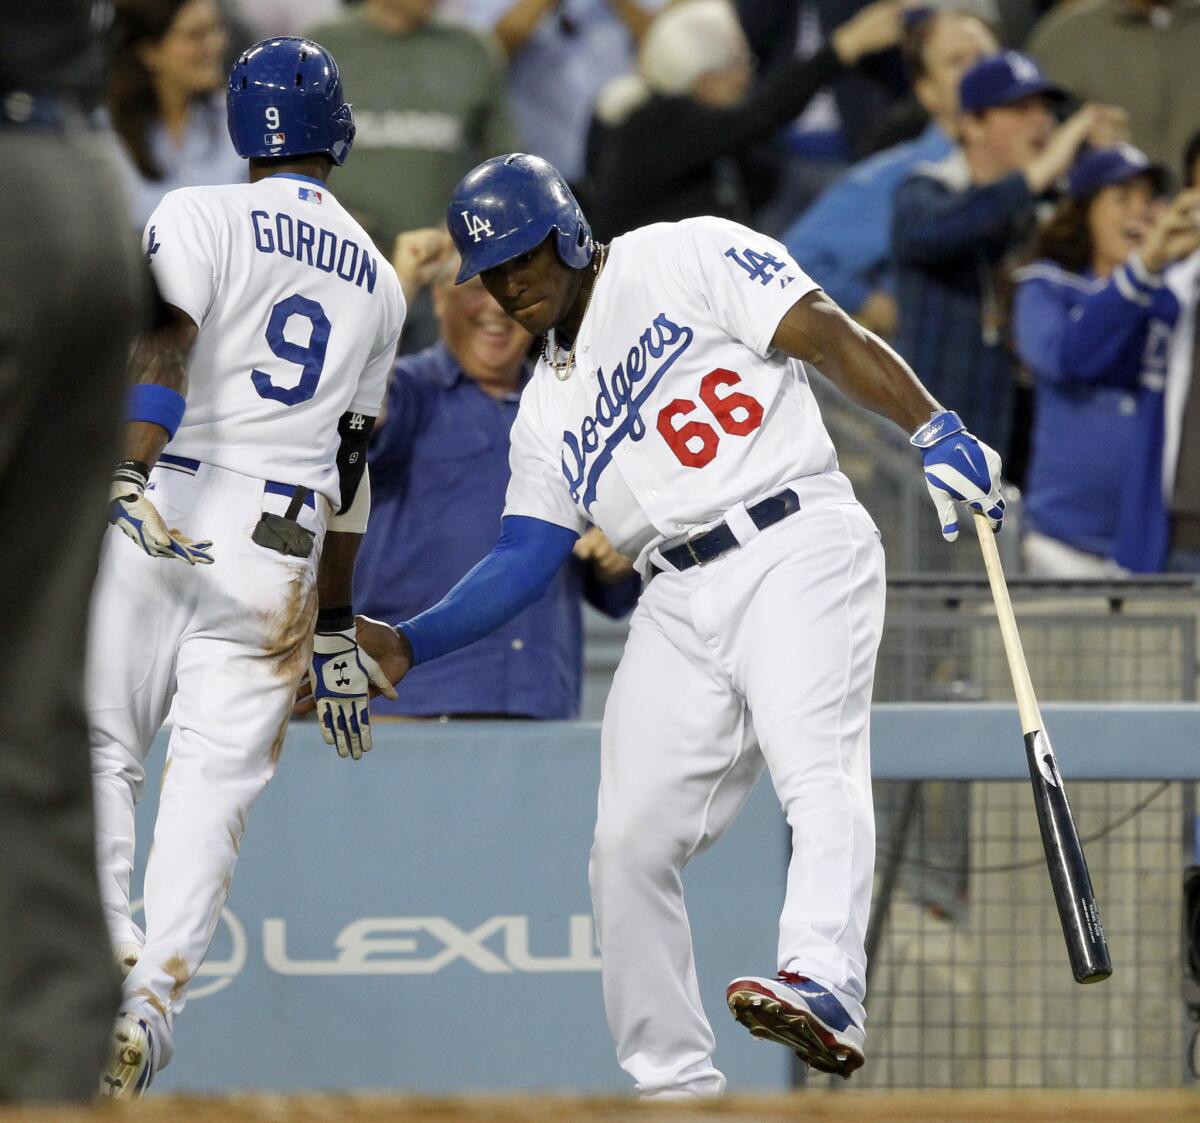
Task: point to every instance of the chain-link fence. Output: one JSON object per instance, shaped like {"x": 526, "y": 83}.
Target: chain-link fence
{"x": 981, "y": 994}
{"x": 1120, "y": 641}
{"x": 970, "y": 985}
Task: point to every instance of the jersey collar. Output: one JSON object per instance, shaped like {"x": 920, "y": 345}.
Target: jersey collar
{"x": 302, "y": 178}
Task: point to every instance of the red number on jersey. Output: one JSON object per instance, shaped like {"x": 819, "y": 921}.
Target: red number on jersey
{"x": 726, "y": 409}
{"x": 690, "y": 430}
{"x": 736, "y": 413}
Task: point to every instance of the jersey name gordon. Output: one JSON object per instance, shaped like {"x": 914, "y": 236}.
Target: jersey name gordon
{"x": 314, "y": 246}
{"x": 616, "y": 413}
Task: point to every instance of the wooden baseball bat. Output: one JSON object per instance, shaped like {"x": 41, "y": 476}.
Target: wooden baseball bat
{"x": 1073, "y": 893}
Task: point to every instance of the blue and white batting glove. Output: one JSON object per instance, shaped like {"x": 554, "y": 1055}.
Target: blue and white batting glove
{"x": 959, "y": 468}
{"x": 139, "y": 519}
{"x": 341, "y": 675}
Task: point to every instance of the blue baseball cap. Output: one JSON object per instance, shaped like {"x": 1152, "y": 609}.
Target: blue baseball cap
{"x": 1003, "y": 79}
{"x": 1105, "y": 167}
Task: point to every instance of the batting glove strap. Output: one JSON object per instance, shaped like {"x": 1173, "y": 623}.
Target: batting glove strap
{"x": 940, "y": 425}
{"x": 131, "y": 475}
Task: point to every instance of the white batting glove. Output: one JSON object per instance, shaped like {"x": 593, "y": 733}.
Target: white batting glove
{"x": 341, "y": 675}
{"x": 959, "y": 468}
{"x": 139, "y": 519}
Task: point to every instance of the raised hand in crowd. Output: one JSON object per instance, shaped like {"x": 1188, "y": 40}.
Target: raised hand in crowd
{"x": 419, "y": 257}
{"x": 1110, "y": 127}
{"x": 876, "y": 28}
{"x": 1061, "y": 148}
{"x": 1175, "y": 234}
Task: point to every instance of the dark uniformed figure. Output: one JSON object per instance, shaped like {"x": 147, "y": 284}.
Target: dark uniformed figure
{"x": 71, "y": 294}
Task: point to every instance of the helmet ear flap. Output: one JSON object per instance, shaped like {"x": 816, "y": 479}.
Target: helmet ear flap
{"x": 575, "y": 247}
{"x": 343, "y": 124}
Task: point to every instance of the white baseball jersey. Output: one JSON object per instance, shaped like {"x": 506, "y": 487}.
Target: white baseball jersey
{"x": 677, "y": 408}
{"x": 299, "y": 319}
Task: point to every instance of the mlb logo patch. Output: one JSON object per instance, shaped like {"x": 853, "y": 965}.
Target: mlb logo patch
{"x": 272, "y": 139}
{"x": 310, "y": 195}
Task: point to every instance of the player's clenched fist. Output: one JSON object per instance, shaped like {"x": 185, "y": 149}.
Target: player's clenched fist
{"x": 139, "y": 519}
{"x": 959, "y": 468}
{"x": 340, "y": 676}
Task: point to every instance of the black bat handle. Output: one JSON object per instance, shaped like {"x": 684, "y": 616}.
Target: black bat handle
{"x": 1073, "y": 893}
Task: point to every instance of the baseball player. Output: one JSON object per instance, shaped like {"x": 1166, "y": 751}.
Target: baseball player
{"x": 671, "y": 408}
{"x": 254, "y": 403}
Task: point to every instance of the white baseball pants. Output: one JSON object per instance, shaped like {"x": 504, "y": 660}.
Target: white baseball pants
{"x": 227, "y": 644}
{"x": 765, "y": 655}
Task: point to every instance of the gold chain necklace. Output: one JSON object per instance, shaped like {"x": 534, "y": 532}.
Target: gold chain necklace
{"x": 562, "y": 370}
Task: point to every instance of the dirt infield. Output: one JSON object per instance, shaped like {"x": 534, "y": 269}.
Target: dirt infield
{"x": 1030, "y": 1106}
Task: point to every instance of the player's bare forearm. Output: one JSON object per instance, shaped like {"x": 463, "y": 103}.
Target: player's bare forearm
{"x": 335, "y": 574}
{"x": 855, "y": 360}
{"x": 159, "y": 357}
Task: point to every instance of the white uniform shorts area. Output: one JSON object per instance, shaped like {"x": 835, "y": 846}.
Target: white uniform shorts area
{"x": 226, "y": 645}
{"x": 764, "y": 656}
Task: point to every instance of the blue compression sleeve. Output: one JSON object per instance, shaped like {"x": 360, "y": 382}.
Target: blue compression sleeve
{"x": 516, "y": 573}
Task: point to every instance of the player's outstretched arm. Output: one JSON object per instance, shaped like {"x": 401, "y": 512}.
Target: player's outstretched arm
{"x": 515, "y": 574}
{"x": 156, "y": 404}
{"x": 958, "y": 466}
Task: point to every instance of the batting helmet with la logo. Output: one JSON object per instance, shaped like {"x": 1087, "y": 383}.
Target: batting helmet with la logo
{"x": 508, "y": 206}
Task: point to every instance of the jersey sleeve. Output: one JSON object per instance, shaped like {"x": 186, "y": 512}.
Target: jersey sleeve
{"x": 747, "y": 280}
{"x": 537, "y": 487}
{"x": 372, "y": 384}
{"x": 180, "y": 243}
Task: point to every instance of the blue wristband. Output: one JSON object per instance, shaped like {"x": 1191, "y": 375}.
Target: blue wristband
{"x": 159, "y": 405}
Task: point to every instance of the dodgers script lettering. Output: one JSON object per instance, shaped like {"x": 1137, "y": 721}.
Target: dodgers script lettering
{"x": 617, "y": 410}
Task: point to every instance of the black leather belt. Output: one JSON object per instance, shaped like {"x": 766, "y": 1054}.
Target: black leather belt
{"x": 720, "y": 539}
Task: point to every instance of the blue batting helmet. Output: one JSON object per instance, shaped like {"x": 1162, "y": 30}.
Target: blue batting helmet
{"x": 508, "y": 206}
{"x": 285, "y": 99}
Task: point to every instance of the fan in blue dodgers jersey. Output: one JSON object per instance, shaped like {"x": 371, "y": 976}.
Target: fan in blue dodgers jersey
{"x": 671, "y": 408}
{"x": 254, "y": 402}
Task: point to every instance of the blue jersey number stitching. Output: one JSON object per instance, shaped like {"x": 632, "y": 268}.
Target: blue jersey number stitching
{"x": 310, "y": 358}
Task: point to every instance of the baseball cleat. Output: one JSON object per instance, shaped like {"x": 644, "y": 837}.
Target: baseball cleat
{"x": 802, "y": 1015}
{"x": 130, "y": 1059}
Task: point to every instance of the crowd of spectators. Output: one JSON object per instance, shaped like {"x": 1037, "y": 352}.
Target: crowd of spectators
{"x": 962, "y": 180}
